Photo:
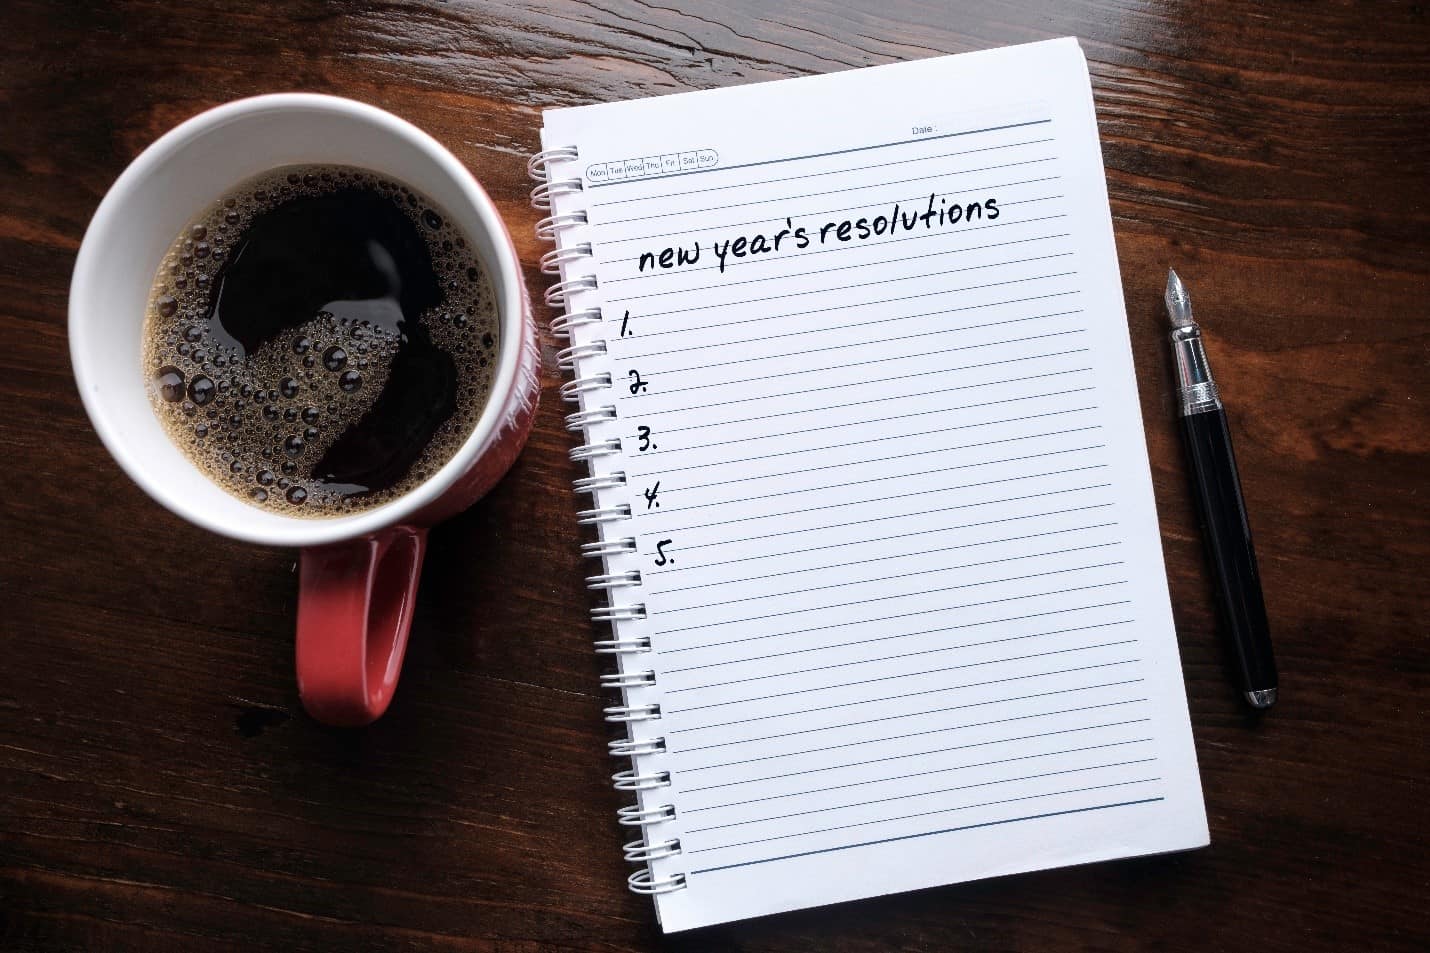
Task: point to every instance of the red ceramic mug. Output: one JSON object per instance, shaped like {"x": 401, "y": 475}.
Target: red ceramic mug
{"x": 359, "y": 572}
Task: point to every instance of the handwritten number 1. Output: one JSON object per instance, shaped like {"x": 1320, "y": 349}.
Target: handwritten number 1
{"x": 625, "y": 322}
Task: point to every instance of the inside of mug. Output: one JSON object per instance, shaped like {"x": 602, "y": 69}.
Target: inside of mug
{"x": 160, "y": 193}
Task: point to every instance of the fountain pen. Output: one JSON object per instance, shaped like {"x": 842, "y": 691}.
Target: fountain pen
{"x": 1220, "y": 507}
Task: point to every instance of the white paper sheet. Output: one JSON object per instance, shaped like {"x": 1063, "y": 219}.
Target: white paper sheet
{"x": 899, "y": 554}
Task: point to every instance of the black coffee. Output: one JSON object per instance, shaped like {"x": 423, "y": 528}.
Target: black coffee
{"x": 320, "y": 340}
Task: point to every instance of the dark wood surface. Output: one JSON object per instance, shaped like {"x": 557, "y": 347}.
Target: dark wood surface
{"x": 161, "y": 789}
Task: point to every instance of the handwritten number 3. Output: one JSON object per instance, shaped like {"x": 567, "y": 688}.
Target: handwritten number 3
{"x": 646, "y": 443}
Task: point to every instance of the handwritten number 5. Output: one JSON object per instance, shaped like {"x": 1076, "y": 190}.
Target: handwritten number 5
{"x": 661, "y": 558}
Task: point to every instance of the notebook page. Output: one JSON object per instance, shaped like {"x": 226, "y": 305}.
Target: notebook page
{"x": 904, "y": 591}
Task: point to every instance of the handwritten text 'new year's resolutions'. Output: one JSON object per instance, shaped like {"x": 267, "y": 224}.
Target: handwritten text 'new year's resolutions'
{"x": 940, "y": 213}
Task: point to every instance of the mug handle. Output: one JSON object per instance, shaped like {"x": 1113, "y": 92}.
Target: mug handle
{"x": 355, "y": 602}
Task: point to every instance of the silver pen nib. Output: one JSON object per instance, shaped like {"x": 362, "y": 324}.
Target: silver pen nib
{"x": 1179, "y": 303}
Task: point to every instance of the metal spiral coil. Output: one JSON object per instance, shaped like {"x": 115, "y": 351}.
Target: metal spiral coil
{"x": 558, "y": 183}
{"x": 614, "y": 580}
{"x": 621, "y": 714}
{"x": 601, "y": 448}
{"x": 630, "y": 747}
{"x": 543, "y": 194}
{"x": 558, "y": 294}
{"x": 622, "y": 646}
{"x": 633, "y": 815}
{"x": 603, "y": 514}
{"x": 647, "y": 883}
{"x": 553, "y": 261}
{"x": 633, "y": 780}
{"x": 548, "y": 227}
{"x": 639, "y": 851}
{"x": 536, "y": 165}
{"x": 584, "y": 418}
{"x": 644, "y": 679}
{"x": 612, "y": 613}
{"x": 603, "y": 481}
{"x": 567, "y": 357}
{"x": 609, "y": 547}
{"x": 562, "y": 324}
{"x": 572, "y": 390}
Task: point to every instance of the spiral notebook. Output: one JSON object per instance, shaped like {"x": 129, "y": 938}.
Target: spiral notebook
{"x": 873, "y": 520}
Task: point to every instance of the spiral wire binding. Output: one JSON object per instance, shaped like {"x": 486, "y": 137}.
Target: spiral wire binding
{"x": 619, "y": 613}
{"x": 603, "y": 514}
{"x": 561, "y": 325}
{"x": 601, "y": 448}
{"x": 633, "y": 781}
{"x": 584, "y": 418}
{"x": 572, "y": 390}
{"x": 635, "y": 646}
{"x": 536, "y": 165}
{"x": 590, "y": 389}
{"x": 552, "y": 225}
{"x": 633, "y": 815}
{"x": 624, "y": 714}
{"x": 605, "y": 481}
{"x": 626, "y": 748}
{"x": 639, "y": 851}
{"x": 544, "y": 194}
{"x": 644, "y": 679}
{"x": 558, "y": 294}
{"x": 614, "y": 580}
{"x": 567, "y": 357}
{"x": 552, "y": 261}
{"x": 645, "y": 882}
{"x": 608, "y": 547}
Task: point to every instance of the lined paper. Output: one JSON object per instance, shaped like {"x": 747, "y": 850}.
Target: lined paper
{"x": 899, "y": 559}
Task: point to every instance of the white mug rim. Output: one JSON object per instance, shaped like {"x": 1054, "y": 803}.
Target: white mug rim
{"x": 295, "y": 530}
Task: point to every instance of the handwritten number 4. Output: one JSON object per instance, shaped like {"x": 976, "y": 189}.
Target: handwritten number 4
{"x": 650, "y": 496}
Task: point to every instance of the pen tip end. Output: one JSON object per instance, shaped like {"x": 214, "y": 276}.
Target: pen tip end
{"x": 1264, "y": 698}
{"x": 1179, "y": 303}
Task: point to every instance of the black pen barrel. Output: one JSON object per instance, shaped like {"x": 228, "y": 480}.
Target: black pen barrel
{"x": 1227, "y": 533}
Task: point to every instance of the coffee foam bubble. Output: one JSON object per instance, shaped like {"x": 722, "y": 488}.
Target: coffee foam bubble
{"x": 257, "y": 423}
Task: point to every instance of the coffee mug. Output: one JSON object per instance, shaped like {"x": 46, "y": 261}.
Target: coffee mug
{"x": 359, "y": 572}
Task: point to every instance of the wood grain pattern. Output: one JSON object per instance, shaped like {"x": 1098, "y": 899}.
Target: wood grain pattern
{"x": 159, "y": 787}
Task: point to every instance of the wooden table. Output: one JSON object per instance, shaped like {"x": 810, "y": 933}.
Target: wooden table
{"x": 161, "y": 789}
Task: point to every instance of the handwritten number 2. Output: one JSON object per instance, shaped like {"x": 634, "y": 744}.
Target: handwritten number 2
{"x": 646, "y": 443}
{"x": 637, "y": 385}
{"x": 661, "y": 558}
